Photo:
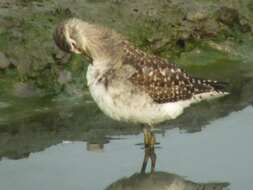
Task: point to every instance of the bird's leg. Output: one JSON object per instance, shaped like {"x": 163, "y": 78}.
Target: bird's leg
{"x": 149, "y": 142}
{"x": 149, "y": 137}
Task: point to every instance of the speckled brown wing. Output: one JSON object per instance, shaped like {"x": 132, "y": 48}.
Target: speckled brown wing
{"x": 164, "y": 82}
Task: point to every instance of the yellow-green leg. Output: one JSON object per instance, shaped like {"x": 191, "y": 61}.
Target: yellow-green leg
{"x": 149, "y": 137}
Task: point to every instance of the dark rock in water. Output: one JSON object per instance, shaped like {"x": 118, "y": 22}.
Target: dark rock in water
{"x": 25, "y": 90}
{"x": 4, "y": 61}
{"x": 228, "y": 16}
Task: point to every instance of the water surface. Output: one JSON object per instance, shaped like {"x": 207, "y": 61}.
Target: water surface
{"x": 67, "y": 143}
{"x": 219, "y": 153}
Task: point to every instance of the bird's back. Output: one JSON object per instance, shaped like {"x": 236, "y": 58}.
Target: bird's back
{"x": 165, "y": 82}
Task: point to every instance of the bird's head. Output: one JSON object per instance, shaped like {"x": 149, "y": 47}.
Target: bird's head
{"x": 67, "y": 36}
{"x": 77, "y": 36}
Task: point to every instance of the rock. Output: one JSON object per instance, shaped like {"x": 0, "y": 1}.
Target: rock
{"x": 66, "y": 12}
{"x": 245, "y": 27}
{"x": 116, "y": 1}
{"x": 22, "y": 89}
{"x": 64, "y": 77}
{"x": 228, "y": 16}
{"x": 4, "y": 105}
{"x": 211, "y": 28}
{"x": 196, "y": 16}
{"x": 225, "y": 47}
{"x": 13, "y": 62}
{"x": 4, "y": 61}
{"x": 60, "y": 57}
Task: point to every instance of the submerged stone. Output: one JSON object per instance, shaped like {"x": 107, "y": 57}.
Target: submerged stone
{"x": 4, "y": 61}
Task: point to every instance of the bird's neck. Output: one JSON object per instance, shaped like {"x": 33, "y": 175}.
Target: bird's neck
{"x": 107, "y": 65}
{"x": 105, "y": 57}
{"x": 102, "y": 45}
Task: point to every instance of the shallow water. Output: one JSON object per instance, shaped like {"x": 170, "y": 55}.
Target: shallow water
{"x": 219, "y": 153}
{"x": 67, "y": 143}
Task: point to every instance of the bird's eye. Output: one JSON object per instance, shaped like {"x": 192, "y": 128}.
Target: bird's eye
{"x": 75, "y": 46}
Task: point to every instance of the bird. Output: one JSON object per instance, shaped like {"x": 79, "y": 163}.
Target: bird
{"x": 129, "y": 84}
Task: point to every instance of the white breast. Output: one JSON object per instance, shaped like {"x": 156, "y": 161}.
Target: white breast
{"x": 119, "y": 101}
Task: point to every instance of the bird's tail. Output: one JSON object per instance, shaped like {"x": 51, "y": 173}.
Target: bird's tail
{"x": 219, "y": 86}
{"x": 212, "y": 85}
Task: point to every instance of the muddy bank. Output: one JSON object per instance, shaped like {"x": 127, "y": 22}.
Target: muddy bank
{"x": 169, "y": 28}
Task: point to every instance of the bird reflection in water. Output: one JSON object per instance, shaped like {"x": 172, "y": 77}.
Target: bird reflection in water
{"x": 160, "y": 180}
